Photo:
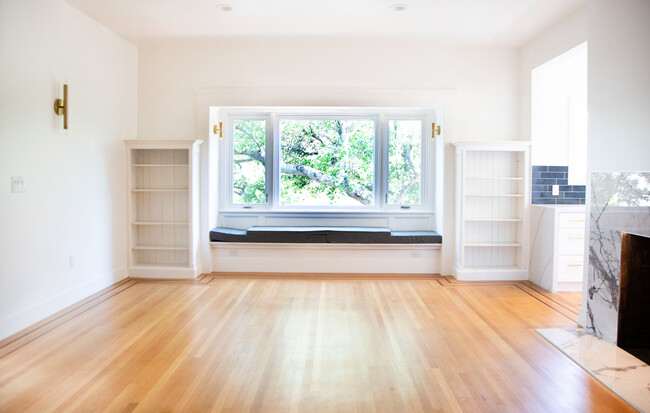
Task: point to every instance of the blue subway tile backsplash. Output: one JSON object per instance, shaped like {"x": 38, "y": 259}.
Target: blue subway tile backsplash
{"x": 543, "y": 179}
{"x": 570, "y": 201}
{"x": 544, "y": 201}
{"x": 556, "y": 175}
{"x": 564, "y": 169}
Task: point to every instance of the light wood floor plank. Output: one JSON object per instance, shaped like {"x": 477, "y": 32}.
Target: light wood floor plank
{"x": 290, "y": 344}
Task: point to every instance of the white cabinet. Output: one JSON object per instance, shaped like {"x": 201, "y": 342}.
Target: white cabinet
{"x": 492, "y": 201}
{"x": 163, "y": 225}
{"x": 557, "y": 247}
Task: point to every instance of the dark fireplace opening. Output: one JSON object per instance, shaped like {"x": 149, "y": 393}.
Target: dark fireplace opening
{"x": 634, "y": 297}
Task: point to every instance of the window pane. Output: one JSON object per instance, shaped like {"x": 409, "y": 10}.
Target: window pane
{"x": 249, "y": 160}
{"x": 404, "y": 162}
{"x": 327, "y": 162}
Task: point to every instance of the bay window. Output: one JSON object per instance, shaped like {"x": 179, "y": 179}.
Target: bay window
{"x": 317, "y": 159}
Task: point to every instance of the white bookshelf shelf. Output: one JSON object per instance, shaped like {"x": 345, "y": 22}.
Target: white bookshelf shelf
{"x": 160, "y": 165}
{"x": 160, "y": 267}
{"x": 493, "y": 220}
{"x": 496, "y": 270}
{"x": 158, "y": 247}
{"x": 495, "y": 178}
{"x": 492, "y": 195}
{"x": 492, "y": 181}
{"x": 493, "y": 244}
{"x": 163, "y": 208}
{"x": 159, "y": 190}
{"x": 159, "y": 223}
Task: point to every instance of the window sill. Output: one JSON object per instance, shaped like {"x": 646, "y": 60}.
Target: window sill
{"x": 324, "y": 212}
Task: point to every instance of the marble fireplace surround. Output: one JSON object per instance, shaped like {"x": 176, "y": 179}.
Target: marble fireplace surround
{"x": 617, "y": 369}
{"x": 620, "y": 202}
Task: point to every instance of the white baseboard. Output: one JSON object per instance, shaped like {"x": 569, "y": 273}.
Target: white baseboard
{"x": 152, "y": 271}
{"x": 37, "y": 312}
{"x": 485, "y": 274}
{"x": 573, "y": 287}
{"x": 326, "y": 258}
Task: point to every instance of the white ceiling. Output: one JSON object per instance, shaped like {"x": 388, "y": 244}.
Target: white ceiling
{"x": 509, "y": 23}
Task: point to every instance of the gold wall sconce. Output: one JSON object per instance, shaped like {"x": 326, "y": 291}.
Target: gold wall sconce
{"x": 435, "y": 130}
{"x": 218, "y": 129}
{"x": 61, "y": 107}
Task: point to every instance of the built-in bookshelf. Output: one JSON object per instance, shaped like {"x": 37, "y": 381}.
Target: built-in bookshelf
{"x": 162, "y": 180}
{"x": 492, "y": 207}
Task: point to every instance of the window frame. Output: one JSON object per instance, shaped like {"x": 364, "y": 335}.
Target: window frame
{"x": 380, "y": 116}
{"x": 227, "y": 160}
{"x": 424, "y": 166}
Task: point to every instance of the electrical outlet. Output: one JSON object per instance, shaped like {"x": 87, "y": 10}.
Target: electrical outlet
{"x": 71, "y": 262}
{"x": 556, "y": 190}
{"x": 233, "y": 253}
{"x": 416, "y": 254}
{"x": 17, "y": 184}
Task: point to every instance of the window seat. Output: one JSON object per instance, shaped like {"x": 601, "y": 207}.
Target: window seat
{"x": 324, "y": 235}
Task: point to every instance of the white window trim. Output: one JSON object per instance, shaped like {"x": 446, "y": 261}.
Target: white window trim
{"x": 226, "y": 159}
{"x": 381, "y": 116}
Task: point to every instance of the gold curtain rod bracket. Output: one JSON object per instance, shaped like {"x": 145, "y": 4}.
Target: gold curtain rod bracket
{"x": 218, "y": 129}
{"x": 61, "y": 107}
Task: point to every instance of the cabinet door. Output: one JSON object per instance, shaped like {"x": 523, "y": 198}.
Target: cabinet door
{"x": 572, "y": 220}
{"x": 571, "y": 241}
{"x": 569, "y": 268}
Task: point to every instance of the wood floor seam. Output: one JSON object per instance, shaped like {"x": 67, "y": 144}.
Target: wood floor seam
{"x": 546, "y": 304}
{"x": 68, "y": 310}
{"x": 59, "y": 325}
{"x": 523, "y": 285}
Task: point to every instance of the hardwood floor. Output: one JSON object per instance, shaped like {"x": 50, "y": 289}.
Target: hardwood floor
{"x": 302, "y": 345}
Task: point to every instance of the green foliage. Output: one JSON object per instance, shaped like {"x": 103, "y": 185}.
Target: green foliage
{"x": 404, "y": 160}
{"x": 326, "y": 162}
{"x": 249, "y": 147}
{"x": 341, "y": 151}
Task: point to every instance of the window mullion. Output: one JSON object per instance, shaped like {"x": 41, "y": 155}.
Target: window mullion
{"x": 277, "y": 167}
{"x": 381, "y": 165}
{"x": 269, "y": 161}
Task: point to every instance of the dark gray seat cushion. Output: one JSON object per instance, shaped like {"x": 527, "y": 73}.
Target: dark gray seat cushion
{"x": 415, "y": 237}
{"x": 324, "y": 235}
{"x": 223, "y": 234}
{"x": 339, "y": 235}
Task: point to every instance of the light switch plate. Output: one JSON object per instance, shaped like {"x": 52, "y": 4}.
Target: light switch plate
{"x": 556, "y": 190}
{"x": 17, "y": 184}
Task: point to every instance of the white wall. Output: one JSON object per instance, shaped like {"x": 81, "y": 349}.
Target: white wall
{"x": 619, "y": 90}
{"x": 559, "y": 113}
{"x": 74, "y": 204}
{"x": 619, "y": 86}
{"x": 564, "y": 36}
{"x": 171, "y": 71}
{"x": 486, "y": 82}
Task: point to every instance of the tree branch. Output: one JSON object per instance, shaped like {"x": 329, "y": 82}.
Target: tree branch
{"x": 407, "y": 155}
{"x": 239, "y": 190}
{"x": 252, "y": 154}
{"x": 359, "y": 193}
{"x": 313, "y": 134}
{"x": 309, "y": 172}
